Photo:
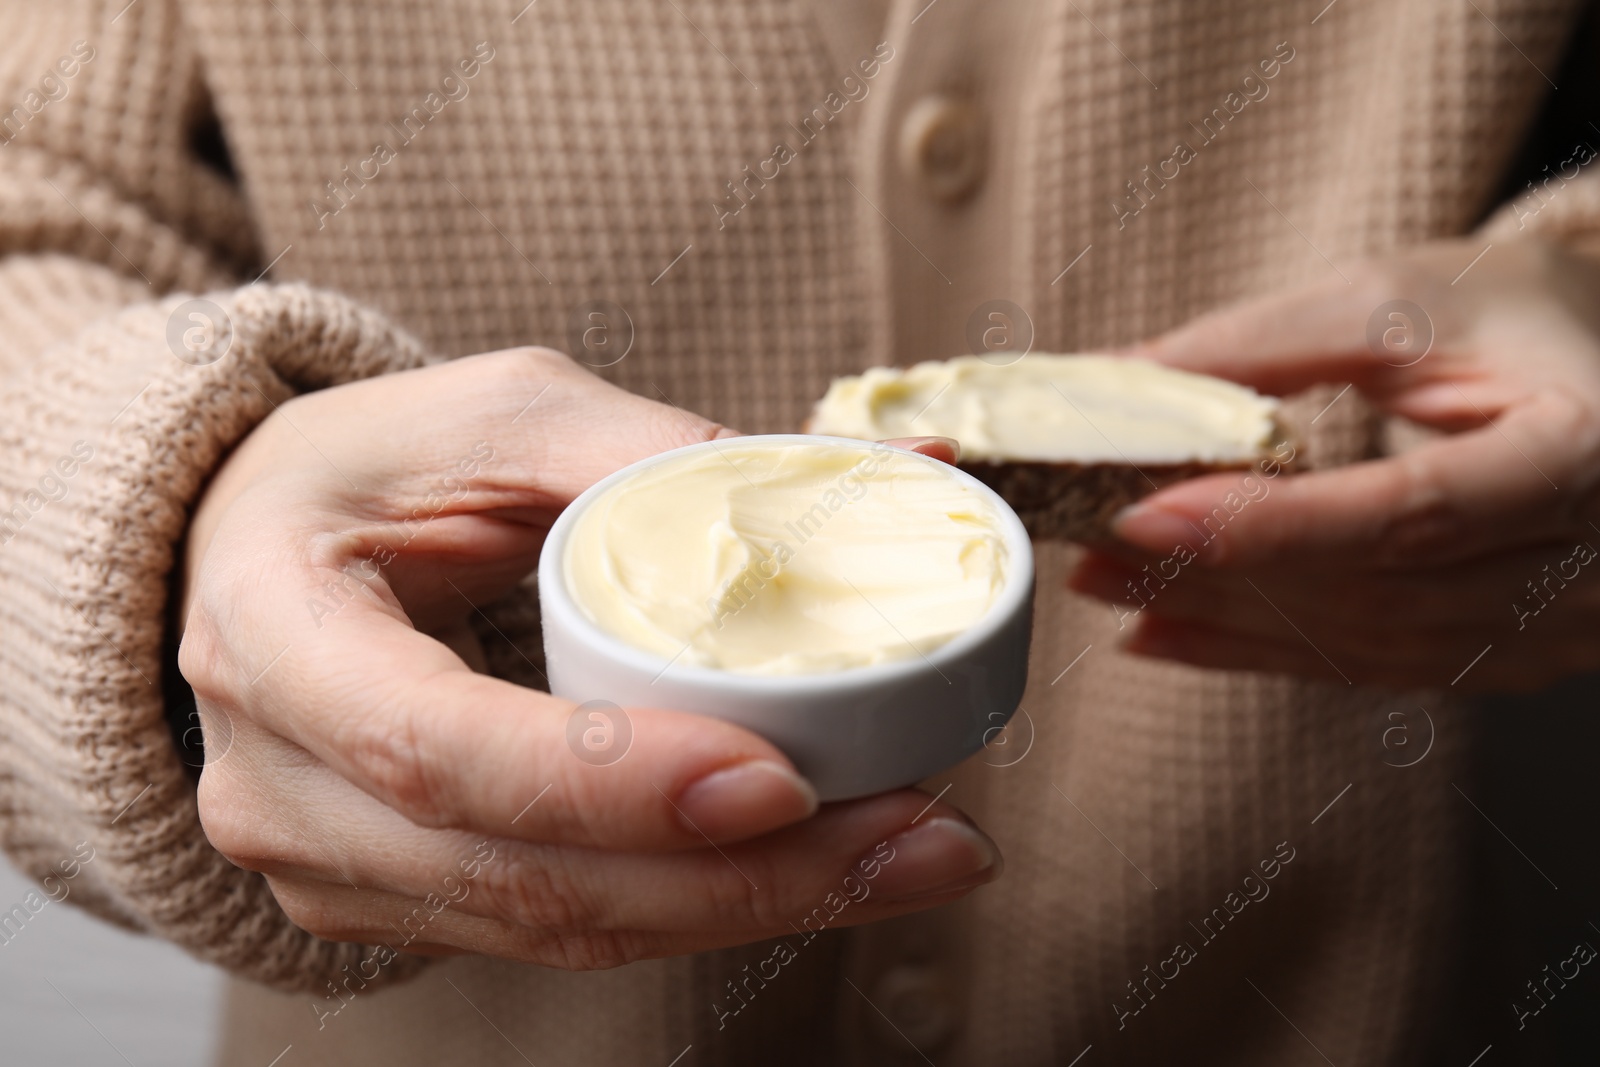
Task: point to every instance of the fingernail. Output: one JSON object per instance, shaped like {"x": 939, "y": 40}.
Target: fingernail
{"x": 1156, "y": 529}
{"x": 920, "y": 445}
{"x": 939, "y": 856}
{"x": 746, "y": 799}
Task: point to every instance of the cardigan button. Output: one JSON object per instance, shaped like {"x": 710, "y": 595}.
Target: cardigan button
{"x": 917, "y": 1007}
{"x": 942, "y": 143}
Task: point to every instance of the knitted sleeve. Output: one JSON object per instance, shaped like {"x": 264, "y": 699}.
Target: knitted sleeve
{"x": 1559, "y": 198}
{"x": 1562, "y": 206}
{"x": 119, "y": 394}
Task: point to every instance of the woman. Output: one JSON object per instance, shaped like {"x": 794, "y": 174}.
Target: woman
{"x": 714, "y": 208}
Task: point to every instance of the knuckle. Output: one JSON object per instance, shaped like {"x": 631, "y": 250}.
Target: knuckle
{"x": 311, "y": 909}
{"x": 230, "y": 827}
{"x": 600, "y": 951}
{"x": 736, "y": 897}
{"x": 534, "y": 891}
{"x": 389, "y": 752}
{"x": 676, "y": 428}
{"x": 1569, "y": 436}
{"x": 708, "y": 429}
{"x": 524, "y": 363}
{"x": 1425, "y": 525}
{"x": 200, "y": 658}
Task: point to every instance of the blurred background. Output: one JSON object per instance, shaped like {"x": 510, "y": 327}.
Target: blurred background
{"x": 75, "y": 992}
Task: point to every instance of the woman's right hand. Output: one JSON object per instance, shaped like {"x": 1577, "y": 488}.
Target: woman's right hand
{"x": 389, "y": 791}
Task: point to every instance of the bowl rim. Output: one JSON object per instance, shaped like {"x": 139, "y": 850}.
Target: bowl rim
{"x": 555, "y": 598}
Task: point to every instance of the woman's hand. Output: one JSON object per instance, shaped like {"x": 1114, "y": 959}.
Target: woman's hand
{"x": 1404, "y": 570}
{"x": 392, "y": 795}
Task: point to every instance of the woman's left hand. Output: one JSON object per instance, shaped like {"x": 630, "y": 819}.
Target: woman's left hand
{"x": 1470, "y": 559}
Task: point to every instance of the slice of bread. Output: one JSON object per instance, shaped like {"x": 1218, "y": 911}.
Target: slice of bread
{"x": 1068, "y": 441}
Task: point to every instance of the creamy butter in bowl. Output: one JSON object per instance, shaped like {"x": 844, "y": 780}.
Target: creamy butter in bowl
{"x": 865, "y": 608}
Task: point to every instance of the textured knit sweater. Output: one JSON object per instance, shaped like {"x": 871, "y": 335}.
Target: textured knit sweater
{"x": 362, "y": 187}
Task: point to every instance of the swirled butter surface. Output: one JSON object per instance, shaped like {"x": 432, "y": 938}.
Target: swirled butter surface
{"x": 1056, "y": 409}
{"x": 783, "y": 559}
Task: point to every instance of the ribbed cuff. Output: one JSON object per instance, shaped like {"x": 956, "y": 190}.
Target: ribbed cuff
{"x": 105, "y": 448}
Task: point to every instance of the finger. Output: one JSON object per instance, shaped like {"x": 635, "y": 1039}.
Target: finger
{"x": 542, "y": 430}
{"x": 424, "y": 927}
{"x": 1202, "y": 646}
{"x": 1374, "y": 636}
{"x": 1350, "y": 644}
{"x": 1285, "y": 342}
{"x": 1506, "y": 484}
{"x": 1421, "y": 628}
{"x": 892, "y": 847}
{"x": 468, "y": 503}
{"x": 944, "y": 449}
{"x": 1235, "y": 612}
{"x": 403, "y": 718}
{"x": 447, "y": 747}
{"x": 429, "y": 926}
{"x": 433, "y": 948}
{"x": 1468, "y": 666}
{"x": 1216, "y": 599}
{"x": 1471, "y": 597}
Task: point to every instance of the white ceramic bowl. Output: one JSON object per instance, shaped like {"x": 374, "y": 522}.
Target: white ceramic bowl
{"x": 852, "y": 732}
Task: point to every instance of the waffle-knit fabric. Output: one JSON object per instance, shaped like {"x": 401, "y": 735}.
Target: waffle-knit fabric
{"x": 588, "y": 158}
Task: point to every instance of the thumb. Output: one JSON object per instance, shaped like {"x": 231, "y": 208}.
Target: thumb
{"x": 1448, "y": 500}
{"x": 944, "y": 449}
{"x": 565, "y": 428}
{"x": 1286, "y": 342}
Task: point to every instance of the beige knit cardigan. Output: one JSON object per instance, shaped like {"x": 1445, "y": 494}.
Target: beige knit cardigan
{"x": 355, "y": 200}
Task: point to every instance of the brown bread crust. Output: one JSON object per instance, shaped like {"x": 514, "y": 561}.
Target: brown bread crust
{"x": 1077, "y": 501}
{"x": 1064, "y": 501}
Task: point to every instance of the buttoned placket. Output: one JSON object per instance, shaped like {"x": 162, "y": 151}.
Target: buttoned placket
{"x": 936, "y": 196}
